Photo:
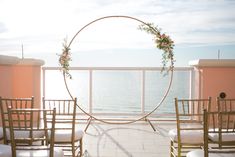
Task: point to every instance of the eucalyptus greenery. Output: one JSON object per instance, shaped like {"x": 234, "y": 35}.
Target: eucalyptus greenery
{"x": 65, "y": 58}
{"x": 163, "y": 42}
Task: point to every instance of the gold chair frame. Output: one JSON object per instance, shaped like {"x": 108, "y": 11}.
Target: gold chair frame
{"x": 32, "y": 122}
{"x": 66, "y": 122}
{"x": 14, "y": 103}
{"x": 220, "y": 125}
{"x": 189, "y": 118}
{"x": 225, "y": 104}
{"x": 219, "y": 135}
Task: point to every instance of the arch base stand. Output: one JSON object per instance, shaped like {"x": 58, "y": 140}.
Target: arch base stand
{"x": 145, "y": 119}
{"x": 88, "y": 123}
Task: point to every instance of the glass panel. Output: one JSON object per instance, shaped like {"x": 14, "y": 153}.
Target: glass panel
{"x": 78, "y": 86}
{"x": 156, "y": 86}
{"x": 116, "y": 91}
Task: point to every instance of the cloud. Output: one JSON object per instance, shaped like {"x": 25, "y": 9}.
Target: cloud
{"x": 207, "y": 22}
{"x": 44, "y": 23}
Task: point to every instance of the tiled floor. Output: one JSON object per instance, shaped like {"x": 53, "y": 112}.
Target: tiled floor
{"x": 127, "y": 140}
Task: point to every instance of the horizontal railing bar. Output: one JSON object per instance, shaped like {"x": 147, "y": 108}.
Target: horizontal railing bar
{"x": 129, "y": 114}
{"x": 119, "y": 68}
{"x": 84, "y": 120}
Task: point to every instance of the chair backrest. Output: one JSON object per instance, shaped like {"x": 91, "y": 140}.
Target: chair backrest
{"x": 13, "y": 103}
{"x": 219, "y": 130}
{"x": 65, "y": 113}
{"x": 33, "y": 126}
{"x": 225, "y": 104}
{"x": 189, "y": 114}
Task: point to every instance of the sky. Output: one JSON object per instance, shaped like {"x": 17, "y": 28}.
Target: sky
{"x": 200, "y": 29}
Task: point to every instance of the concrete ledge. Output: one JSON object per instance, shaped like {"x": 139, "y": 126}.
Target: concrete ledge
{"x": 8, "y": 60}
{"x": 31, "y": 61}
{"x": 213, "y": 63}
{"x": 11, "y": 60}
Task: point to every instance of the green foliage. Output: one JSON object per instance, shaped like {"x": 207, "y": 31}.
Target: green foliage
{"x": 65, "y": 58}
{"x": 163, "y": 42}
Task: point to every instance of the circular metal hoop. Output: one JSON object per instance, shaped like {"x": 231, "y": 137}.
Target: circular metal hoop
{"x": 131, "y": 121}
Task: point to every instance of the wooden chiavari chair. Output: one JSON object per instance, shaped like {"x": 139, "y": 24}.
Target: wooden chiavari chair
{"x": 67, "y": 135}
{"x": 189, "y": 132}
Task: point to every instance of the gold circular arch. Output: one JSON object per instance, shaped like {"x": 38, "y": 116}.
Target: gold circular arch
{"x": 171, "y": 69}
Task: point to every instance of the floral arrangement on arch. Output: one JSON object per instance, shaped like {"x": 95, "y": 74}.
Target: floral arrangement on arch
{"x": 65, "y": 58}
{"x": 162, "y": 41}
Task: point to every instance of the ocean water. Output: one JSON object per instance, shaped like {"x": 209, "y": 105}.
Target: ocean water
{"x": 119, "y": 91}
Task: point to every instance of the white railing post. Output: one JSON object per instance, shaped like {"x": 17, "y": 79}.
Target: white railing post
{"x": 90, "y": 91}
{"x": 191, "y": 84}
{"x": 143, "y": 92}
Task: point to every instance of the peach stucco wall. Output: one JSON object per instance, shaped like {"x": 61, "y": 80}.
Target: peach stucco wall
{"x": 218, "y": 80}
{"x": 5, "y": 81}
{"x": 212, "y": 79}
{"x": 20, "y": 78}
{"x": 21, "y": 82}
{"x": 26, "y": 82}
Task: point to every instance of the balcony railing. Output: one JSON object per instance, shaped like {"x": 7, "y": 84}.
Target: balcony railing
{"x": 119, "y": 90}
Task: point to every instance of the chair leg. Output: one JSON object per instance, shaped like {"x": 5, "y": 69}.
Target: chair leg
{"x": 81, "y": 147}
{"x": 179, "y": 150}
{"x": 171, "y": 149}
{"x": 73, "y": 150}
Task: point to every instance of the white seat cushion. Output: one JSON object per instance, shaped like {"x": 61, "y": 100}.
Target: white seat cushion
{"x": 187, "y": 136}
{"x": 65, "y": 135}
{"x": 39, "y": 153}
{"x": 200, "y": 153}
{"x": 225, "y": 136}
{"x": 1, "y": 133}
{"x": 24, "y": 134}
{"x": 5, "y": 150}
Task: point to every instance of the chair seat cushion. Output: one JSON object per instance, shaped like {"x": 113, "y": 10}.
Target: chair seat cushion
{"x": 39, "y": 153}
{"x": 200, "y": 153}
{"x": 187, "y": 136}
{"x": 24, "y": 134}
{"x": 225, "y": 136}
{"x": 1, "y": 133}
{"x": 5, "y": 150}
{"x": 65, "y": 135}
